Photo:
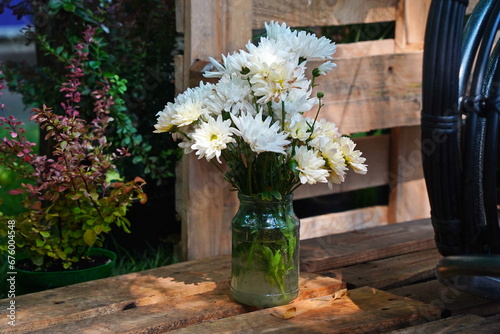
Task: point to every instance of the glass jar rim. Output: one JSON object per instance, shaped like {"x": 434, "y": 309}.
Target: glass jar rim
{"x": 258, "y": 199}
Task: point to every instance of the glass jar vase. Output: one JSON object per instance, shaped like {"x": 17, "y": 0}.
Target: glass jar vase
{"x": 265, "y": 252}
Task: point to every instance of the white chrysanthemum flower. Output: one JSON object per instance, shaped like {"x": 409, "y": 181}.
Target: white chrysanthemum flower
{"x": 308, "y": 46}
{"x": 334, "y": 157}
{"x": 273, "y": 71}
{"x": 233, "y": 63}
{"x": 197, "y": 93}
{"x": 325, "y": 128}
{"x": 230, "y": 93}
{"x": 337, "y": 165}
{"x": 310, "y": 165}
{"x": 299, "y": 127}
{"x": 164, "y": 121}
{"x": 260, "y": 135}
{"x": 353, "y": 157}
{"x": 212, "y": 137}
{"x": 297, "y": 101}
{"x": 325, "y": 68}
{"x": 186, "y": 144}
{"x": 189, "y": 106}
{"x": 274, "y": 30}
{"x": 305, "y": 44}
{"x": 187, "y": 113}
{"x": 268, "y": 52}
{"x": 245, "y": 109}
{"x": 273, "y": 82}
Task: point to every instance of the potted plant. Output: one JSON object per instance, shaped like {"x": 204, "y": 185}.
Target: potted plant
{"x": 71, "y": 197}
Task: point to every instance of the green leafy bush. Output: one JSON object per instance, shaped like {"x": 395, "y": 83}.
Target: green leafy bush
{"x": 69, "y": 201}
{"x": 132, "y": 50}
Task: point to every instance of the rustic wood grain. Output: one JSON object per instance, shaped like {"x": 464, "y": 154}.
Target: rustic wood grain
{"x": 300, "y": 13}
{"x": 95, "y": 298}
{"x": 410, "y": 32}
{"x": 359, "y": 246}
{"x": 153, "y": 301}
{"x": 374, "y": 92}
{"x": 408, "y": 199}
{"x": 340, "y": 222}
{"x": 449, "y": 298}
{"x": 489, "y": 325}
{"x": 206, "y": 206}
{"x": 457, "y": 324}
{"x": 365, "y": 93}
{"x": 389, "y": 273}
{"x": 364, "y": 310}
{"x": 322, "y": 13}
{"x": 364, "y": 49}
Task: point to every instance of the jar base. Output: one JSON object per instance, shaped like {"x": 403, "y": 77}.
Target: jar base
{"x": 262, "y": 300}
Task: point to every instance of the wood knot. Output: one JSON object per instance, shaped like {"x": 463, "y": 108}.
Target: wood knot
{"x": 129, "y": 306}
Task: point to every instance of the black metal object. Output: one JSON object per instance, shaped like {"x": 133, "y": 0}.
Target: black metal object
{"x": 460, "y": 119}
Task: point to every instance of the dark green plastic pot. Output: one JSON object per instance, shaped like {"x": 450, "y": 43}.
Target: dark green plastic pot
{"x": 31, "y": 281}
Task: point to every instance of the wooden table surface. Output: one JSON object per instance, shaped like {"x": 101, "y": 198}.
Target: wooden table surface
{"x": 376, "y": 280}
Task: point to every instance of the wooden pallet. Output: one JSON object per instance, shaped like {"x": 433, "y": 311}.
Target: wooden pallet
{"x": 376, "y": 85}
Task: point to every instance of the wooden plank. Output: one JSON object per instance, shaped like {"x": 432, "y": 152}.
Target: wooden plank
{"x": 307, "y": 13}
{"x": 364, "y": 49}
{"x": 339, "y": 222}
{"x": 364, "y": 310}
{"x": 168, "y": 311}
{"x": 359, "y": 246}
{"x": 236, "y": 28}
{"x": 489, "y": 325}
{"x": 409, "y": 202}
{"x": 389, "y": 273}
{"x": 410, "y": 24}
{"x": 408, "y": 199}
{"x": 364, "y": 93}
{"x": 200, "y": 33}
{"x": 179, "y": 16}
{"x": 375, "y": 92}
{"x": 206, "y": 207}
{"x": 376, "y": 151}
{"x": 179, "y": 74}
{"x": 447, "y": 325}
{"x": 449, "y": 298}
{"x": 377, "y": 15}
{"x": 94, "y": 298}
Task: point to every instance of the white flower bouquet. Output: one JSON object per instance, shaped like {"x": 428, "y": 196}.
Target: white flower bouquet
{"x": 253, "y": 119}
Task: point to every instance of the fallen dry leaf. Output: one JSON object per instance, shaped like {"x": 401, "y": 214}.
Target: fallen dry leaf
{"x": 288, "y": 314}
{"x": 341, "y": 293}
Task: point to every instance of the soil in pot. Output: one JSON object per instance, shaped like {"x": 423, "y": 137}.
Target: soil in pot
{"x": 100, "y": 265}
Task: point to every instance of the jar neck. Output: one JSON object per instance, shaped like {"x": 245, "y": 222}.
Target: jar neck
{"x": 247, "y": 199}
